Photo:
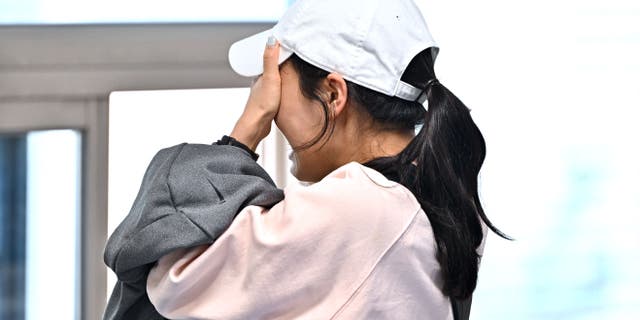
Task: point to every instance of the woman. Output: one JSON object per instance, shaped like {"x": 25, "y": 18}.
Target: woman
{"x": 391, "y": 227}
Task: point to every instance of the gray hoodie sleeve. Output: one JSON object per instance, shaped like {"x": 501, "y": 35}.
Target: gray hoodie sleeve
{"x": 189, "y": 195}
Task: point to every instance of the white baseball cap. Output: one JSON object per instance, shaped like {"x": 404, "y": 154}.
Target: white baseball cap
{"x": 368, "y": 42}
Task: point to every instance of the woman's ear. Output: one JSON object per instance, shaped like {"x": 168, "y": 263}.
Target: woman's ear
{"x": 336, "y": 91}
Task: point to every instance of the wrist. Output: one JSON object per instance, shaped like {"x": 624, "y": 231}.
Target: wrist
{"x": 251, "y": 130}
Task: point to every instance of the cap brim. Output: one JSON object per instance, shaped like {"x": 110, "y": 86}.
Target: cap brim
{"x": 245, "y": 56}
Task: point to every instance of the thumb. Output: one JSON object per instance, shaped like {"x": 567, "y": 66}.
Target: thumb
{"x": 270, "y": 58}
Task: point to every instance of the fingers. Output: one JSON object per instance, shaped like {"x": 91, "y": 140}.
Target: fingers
{"x": 270, "y": 58}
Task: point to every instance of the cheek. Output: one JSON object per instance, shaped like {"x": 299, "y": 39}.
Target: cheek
{"x": 299, "y": 119}
{"x": 299, "y": 126}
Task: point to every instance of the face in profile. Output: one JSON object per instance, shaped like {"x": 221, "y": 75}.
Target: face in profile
{"x": 301, "y": 119}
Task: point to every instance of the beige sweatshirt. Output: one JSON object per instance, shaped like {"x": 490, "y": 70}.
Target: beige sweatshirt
{"x": 353, "y": 246}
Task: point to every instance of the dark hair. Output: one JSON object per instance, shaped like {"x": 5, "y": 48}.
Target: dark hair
{"x": 449, "y": 151}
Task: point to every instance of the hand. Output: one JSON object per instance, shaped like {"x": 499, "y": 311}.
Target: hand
{"x": 263, "y": 103}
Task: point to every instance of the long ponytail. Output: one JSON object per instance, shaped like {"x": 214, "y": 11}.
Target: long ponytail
{"x": 440, "y": 165}
{"x": 449, "y": 151}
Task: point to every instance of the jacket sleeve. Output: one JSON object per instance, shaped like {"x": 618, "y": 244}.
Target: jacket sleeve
{"x": 189, "y": 195}
{"x": 303, "y": 258}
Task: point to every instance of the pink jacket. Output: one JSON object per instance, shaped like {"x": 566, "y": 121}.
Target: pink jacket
{"x": 353, "y": 246}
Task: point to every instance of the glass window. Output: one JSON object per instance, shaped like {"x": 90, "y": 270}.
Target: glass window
{"x": 138, "y": 11}
{"x": 12, "y": 225}
{"x": 40, "y": 174}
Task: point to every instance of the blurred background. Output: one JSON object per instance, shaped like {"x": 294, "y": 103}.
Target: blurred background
{"x": 90, "y": 90}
